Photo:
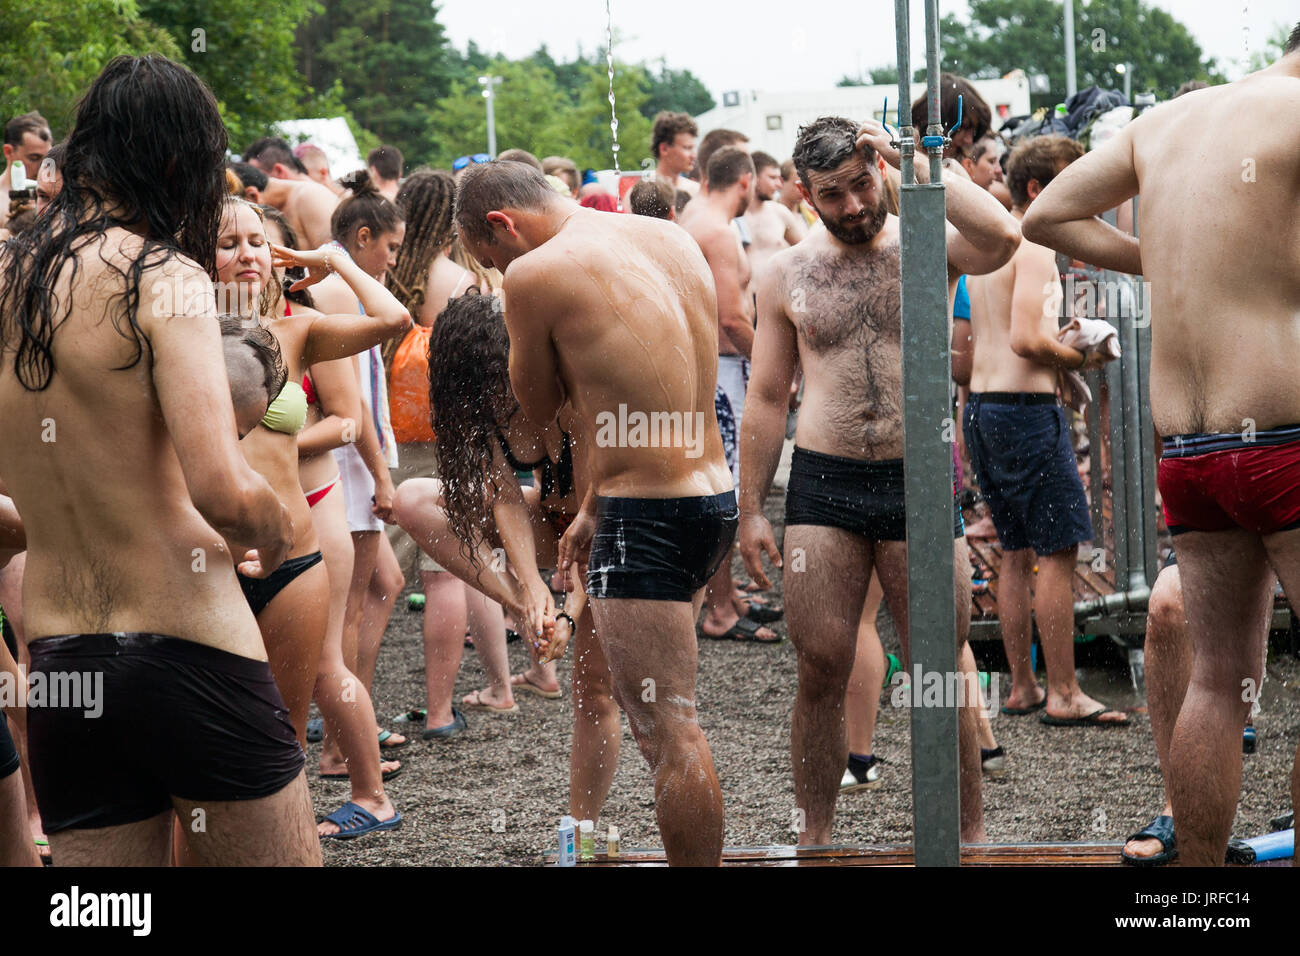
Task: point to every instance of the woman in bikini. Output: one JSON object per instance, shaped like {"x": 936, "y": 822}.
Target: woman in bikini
{"x": 291, "y": 604}
{"x": 476, "y": 514}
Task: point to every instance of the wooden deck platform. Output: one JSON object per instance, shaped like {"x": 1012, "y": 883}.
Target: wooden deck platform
{"x": 1024, "y": 854}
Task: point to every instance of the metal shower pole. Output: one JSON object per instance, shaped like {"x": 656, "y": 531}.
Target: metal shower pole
{"x": 927, "y": 432}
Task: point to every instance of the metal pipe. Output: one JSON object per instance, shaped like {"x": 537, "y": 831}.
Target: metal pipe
{"x": 927, "y": 420}
{"x": 1071, "y": 81}
{"x": 903, "y": 51}
{"x": 935, "y": 126}
{"x": 1131, "y": 600}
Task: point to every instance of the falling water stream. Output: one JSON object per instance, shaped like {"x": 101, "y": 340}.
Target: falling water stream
{"x": 613, "y": 113}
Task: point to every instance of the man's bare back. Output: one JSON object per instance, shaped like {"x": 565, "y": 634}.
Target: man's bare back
{"x": 996, "y": 366}
{"x": 92, "y": 422}
{"x": 307, "y": 205}
{"x": 1225, "y": 319}
{"x": 718, "y": 239}
{"x": 630, "y": 293}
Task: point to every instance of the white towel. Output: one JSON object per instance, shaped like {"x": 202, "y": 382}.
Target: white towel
{"x": 1089, "y": 335}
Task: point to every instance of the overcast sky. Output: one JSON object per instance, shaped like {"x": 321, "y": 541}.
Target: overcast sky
{"x": 779, "y": 45}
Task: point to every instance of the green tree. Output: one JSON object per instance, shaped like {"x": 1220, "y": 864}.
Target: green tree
{"x": 680, "y": 91}
{"x": 527, "y": 107}
{"x": 51, "y": 50}
{"x": 586, "y": 135}
{"x": 391, "y": 60}
{"x": 244, "y": 51}
{"x": 1002, "y": 35}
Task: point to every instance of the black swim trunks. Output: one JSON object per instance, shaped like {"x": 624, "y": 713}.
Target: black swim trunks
{"x": 175, "y": 719}
{"x": 659, "y": 549}
{"x": 259, "y": 592}
{"x": 861, "y": 497}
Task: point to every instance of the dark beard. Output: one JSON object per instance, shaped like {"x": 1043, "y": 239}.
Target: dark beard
{"x": 861, "y": 231}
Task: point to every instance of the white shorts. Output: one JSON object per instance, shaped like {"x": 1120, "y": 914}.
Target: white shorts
{"x": 733, "y": 378}
{"x": 358, "y": 490}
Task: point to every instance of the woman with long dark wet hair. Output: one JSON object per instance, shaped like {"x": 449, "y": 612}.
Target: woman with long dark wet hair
{"x": 476, "y": 512}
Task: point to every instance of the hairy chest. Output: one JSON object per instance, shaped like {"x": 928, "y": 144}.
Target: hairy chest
{"x": 846, "y": 303}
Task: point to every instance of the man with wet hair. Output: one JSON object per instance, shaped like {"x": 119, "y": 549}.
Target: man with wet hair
{"x": 831, "y": 305}
{"x": 660, "y": 514}
{"x": 385, "y": 165}
{"x": 1221, "y": 266}
{"x": 652, "y": 197}
{"x": 27, "y": 139}
{"x": 672, "y": 144}
{"x": 135, "y": 415}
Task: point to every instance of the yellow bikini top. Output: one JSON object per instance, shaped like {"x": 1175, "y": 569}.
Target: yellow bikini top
{"x": 288, "y": 413}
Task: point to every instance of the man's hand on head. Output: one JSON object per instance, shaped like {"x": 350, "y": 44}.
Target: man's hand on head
{"x": 875, "y": 135}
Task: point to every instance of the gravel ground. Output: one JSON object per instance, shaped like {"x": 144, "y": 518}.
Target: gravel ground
{"x": 494, "y": 794}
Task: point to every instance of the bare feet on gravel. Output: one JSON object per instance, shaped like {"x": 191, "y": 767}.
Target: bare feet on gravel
{"x": 536, "y": 678}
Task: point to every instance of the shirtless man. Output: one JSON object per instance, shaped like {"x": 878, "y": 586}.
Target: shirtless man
{"x": 725, "y": 196}
{"x": 139, "y": 588}
{"x": 772, "y": 227}
{"x": 617, "y": 315}
{"x": 1224, "y": 335}
{"x": 1020, "y": 447}
{"x": 317, "y": 165}
{"x": 304, "y": 202}
{"x": 27, "y": 139}
{"x": 672, "y": 143}
{"x": 832, "y": 304}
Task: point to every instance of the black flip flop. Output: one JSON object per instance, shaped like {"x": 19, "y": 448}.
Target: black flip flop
{"x": 762, "y": 614}
{"x": 745, "y": 629}
{"x": 1088, "y": 721}
{"x": 1162, "y": 829}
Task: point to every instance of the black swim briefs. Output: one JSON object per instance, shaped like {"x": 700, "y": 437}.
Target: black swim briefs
{"x": 861, "y": 497}
{"x": 175, "y": 719}
{"x": 659, "y": 549}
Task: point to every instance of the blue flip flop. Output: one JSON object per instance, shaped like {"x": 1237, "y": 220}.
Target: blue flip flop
{"x": 354, "y": 821}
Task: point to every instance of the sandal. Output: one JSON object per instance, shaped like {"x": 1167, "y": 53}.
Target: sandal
{"x": 354, "y": 821}
{"x": 387, "y": 735}
{"x": 745, "y": 629}
{"x": 1162, "y": 829}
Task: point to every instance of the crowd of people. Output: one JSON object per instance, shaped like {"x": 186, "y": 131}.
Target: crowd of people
{"x": 247, "y": 404}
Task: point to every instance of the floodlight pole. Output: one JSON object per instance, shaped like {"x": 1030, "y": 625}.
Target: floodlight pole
{"x": 928, "y": 433}
{"x": 489, "y": 84}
